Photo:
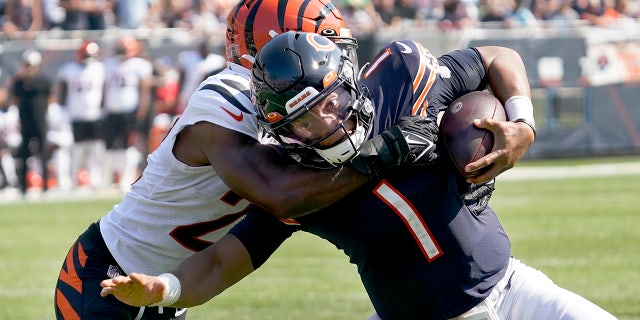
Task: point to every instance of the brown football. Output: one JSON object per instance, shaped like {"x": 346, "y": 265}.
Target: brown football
{"x": 462, "y": 140}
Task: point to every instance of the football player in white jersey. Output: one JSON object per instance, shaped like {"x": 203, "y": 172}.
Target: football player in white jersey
{"x": 199, "y": 182}
{"x": 126, "y": 103}
{"x": 80, "y": 85}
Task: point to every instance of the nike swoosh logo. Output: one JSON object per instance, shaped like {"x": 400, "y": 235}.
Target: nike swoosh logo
{"x": 237, "y": 117}
{"x": 406, "y": 49}
{"x": 425, "y": 142}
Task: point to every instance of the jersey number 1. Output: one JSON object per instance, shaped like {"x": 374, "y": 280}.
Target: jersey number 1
{"x": 408, "y": 214}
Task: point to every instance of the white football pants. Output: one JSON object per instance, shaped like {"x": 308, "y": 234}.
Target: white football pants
{"x": 528, "y": 294}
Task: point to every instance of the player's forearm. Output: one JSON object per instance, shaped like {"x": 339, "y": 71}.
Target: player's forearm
{"x": 506, "y": 73}
{"x": 271, "y": 180}
{"x": 297, "y": 192}
{"x": 311, "y": 192}
{"x": 208, "y": 273}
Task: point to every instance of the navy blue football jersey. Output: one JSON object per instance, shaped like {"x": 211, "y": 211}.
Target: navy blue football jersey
{"x": 420, "y": 252}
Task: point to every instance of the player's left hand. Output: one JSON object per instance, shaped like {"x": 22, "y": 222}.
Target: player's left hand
{"x": 136, "y": 289}
{"x": 511, "y": 141}
{"x": 411, "y": 141}
{"x": 421, "y": 135}
{"x": 478, "y": 196}
{"x": 381, "y": 153}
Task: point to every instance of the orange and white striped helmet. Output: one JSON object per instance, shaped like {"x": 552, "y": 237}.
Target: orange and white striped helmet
{"x": 251, "y": 23}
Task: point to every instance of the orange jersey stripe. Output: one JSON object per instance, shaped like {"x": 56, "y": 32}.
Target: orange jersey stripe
{"x": 421, "y": 104}
{"x": 70, "y": 277}
{"x": 65, "y": 308}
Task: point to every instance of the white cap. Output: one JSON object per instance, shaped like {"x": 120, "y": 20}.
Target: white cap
{"x": 31, "y": 57}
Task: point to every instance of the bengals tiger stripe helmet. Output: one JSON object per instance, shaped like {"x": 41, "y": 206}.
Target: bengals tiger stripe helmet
{"x": 251, "y": 23}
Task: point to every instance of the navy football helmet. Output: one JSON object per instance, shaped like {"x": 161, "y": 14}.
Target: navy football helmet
{"x": 306, "y": 92}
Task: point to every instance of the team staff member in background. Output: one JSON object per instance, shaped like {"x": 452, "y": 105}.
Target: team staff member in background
{"x": 31, "y": 92}
{"x": 200, "y": 180}
{"x": 421, "y": 253}
{"x": 80, "y": 88}
{"x": 127, "y": 99}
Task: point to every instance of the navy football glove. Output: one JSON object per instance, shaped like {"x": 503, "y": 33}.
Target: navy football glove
{"x": 421, "y": 134}
{"x": 478, "y": 194}
{"x": 381, "y": 153}
{"x": 411, "y": 141}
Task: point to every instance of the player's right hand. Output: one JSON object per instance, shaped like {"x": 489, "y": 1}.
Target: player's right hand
{"x": 512, "y": 140}
{"x": 136, "y": 290}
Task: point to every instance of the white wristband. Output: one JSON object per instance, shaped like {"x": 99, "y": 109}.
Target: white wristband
{"x": 520, "y": 109}
{"x": 171, "y": 292}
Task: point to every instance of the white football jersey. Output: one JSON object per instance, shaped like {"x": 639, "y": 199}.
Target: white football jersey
{"x": 174, "y": 210}
{"x": 122, "y": 93}
{"x": 85, "y": 84}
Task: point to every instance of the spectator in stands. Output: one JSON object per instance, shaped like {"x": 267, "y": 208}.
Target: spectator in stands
{"x": 80, "y": 86}
{"x": 428, "y": 10}
{"x": 23, "y": 18}
{"x": 598, "y": 12}
{"x": 31, "y": 92}
{"x": 132, "y": 14}
{"x": 170, "y": 14}
{"x": 385, "y": 11}
{"x": 126, "y": 103}
{"x": 209, "y": 16}
{"x": 591, "y": 11}
{"x": 87, "y": 14}
{"x": 53, "y": 13}
{"x": 496, "y": 11}
{"x": 542, "y": 9}
{"x": 456, "y": 15}
{"x": 564, "y": 14}
{"x": 405, "y": 9}
{"x": 522, "y": 15}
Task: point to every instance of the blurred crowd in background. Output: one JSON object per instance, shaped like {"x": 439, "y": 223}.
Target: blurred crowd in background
{"x": 23, "y": 18}
{"x": 94, "y": 123}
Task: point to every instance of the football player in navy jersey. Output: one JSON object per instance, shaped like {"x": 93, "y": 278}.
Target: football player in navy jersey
{"x": 198, "y": 183}
{"x": 420, "y": 251}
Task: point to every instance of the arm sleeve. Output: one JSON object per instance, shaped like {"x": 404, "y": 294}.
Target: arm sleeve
{"x": 261, "y": 234}
{"x": 467, "y": 72}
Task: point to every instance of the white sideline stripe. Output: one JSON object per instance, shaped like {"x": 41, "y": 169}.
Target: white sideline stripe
{"x": 560, "y": 172}
{"x": 517, "y": 173}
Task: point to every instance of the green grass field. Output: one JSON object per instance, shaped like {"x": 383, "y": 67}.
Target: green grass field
{"x": 582, "y": 232}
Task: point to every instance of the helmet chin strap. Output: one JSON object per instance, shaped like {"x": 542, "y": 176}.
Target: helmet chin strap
{"x": 249, "y": 58}
{"x": 345, "y": 150}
